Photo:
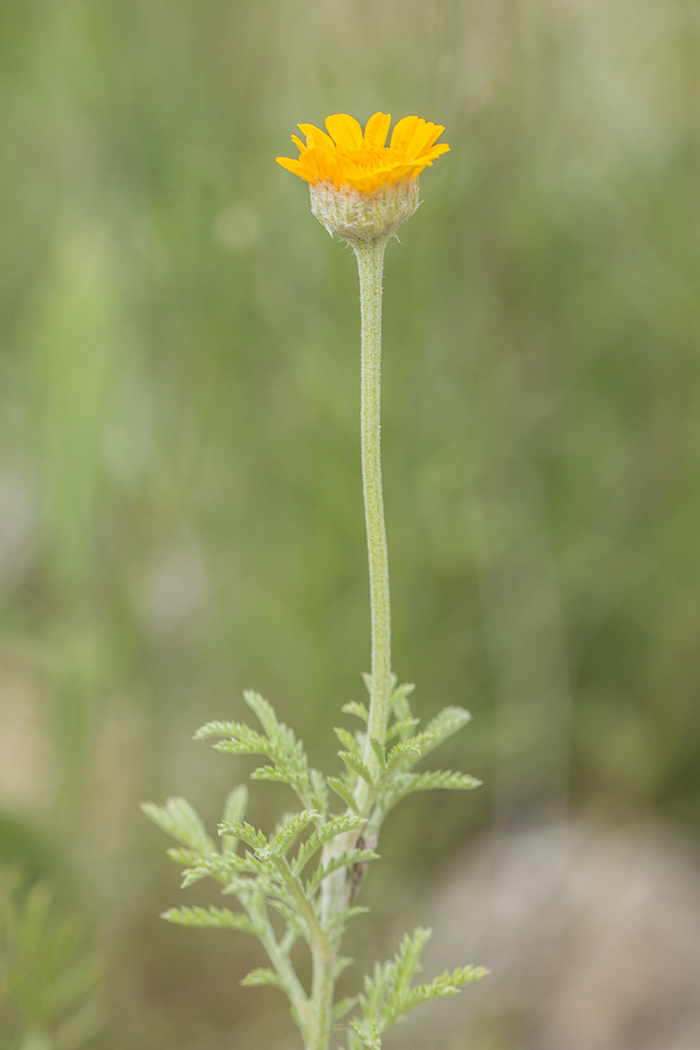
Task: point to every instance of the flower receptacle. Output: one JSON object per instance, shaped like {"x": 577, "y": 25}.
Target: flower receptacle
{"x": 355, "y": 216}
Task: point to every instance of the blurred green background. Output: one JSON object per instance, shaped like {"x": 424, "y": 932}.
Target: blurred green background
{"x": 180, "y": 496}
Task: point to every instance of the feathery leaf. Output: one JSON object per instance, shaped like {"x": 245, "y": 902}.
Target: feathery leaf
{"x": 213, "y": 917}
{"x": 338, "y": 826}
{"x": 357, "y": 766}
{"x": 406, "y": 783}
{"x": 403, "y": 728}
{"x": 245, "y": 832}
{"x": 343, "y": 791}
{"x": 345, "y": 860}
{"x": 234, "y": 809}
{"x": 449, "y": 721}
{"x": 260, "y": 977}
{"x": 178, "y": 818}
{"x": 353, "y": 708}
{"x": 349, "y": 741}
{"x": 343, "y": 1006}
{"x": 292, "y": 827}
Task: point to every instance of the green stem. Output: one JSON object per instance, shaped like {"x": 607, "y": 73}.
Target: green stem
{"x": 296, "y": 888}
{"x": 335, "y": 892}
{"x": 321, "y": 1003}
{"x": 301, "y": 1009}
{"x": 370, "y": 260}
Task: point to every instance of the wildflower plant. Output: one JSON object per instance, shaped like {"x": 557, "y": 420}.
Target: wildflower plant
{"x": 310, "y": 868}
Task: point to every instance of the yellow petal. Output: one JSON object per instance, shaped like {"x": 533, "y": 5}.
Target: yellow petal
{"x": 295, "y": 167}
{"x": 345, "y": 156}
{"x": 402, "y": 133}
{"x": 435, "y": 133}
{"x": 345, "y": 130}
{"x": 435, "y": 152}
{"x": 424, "y": 136}
{"x": 377, "y": 129}
{"x": 316, "y": 137}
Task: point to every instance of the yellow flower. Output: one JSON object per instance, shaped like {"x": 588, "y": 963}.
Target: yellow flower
{"x": 361, "y": 189}
{"x": 347, "y": 157}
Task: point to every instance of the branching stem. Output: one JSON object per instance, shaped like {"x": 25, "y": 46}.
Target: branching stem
{"x": 283, "y": 968}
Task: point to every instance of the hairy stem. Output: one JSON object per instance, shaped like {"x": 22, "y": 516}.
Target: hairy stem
{"x": 370, "y": 260}
{"x": 321, "y": 1003}
{"x": 335, "y": 893}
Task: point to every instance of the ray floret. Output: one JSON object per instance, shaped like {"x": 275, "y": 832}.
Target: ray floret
{"x": 346, "y": 156}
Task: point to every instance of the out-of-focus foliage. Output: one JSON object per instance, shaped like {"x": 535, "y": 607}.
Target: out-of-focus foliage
{"x": 180, "y": 502}
{"x": 48, "y": 978}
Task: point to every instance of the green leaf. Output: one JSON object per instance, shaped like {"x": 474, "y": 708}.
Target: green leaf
{"x": 178, "y": 818}
{"x": 449, "y": 721}
{"x": 246, "y": 832}
{"x": 182, "y": 855}
{"x": 288, "y": 911}
{"x": 447, "y": 984}
{"x": 410, "y": 750}
{"x": 359, "y": 710}
{"x": 446, "y": 780}
{"x": 388, "y": 994}
{"x": 349, "y": 741}
{"x": 288, "y": 751}
{"x": 278, "y": 743}
{"x": 367, "y": 1033}
{"x": 357, "y": 766}
{"x": 406, "y": 753}
{"x": 408, "y": 959}
{"x": 260, "y": 977}
{"x": 385, "y": 991}
{"x": 343, "y": 1006}
{"x": 402, "y": 692}
{"x": 246, "y": 742}
{"x": 345, "y": 860}
{"x": 274, "y": 773}
{"x": 403, "y": 728}
{"x": 352, "y": 755}
{"x": 218, "y": 867}
{"x": 220, "y": 918}
{"x": 217, "y": 728}
{"x": 292, "y": 827}
{"x": 240, "y": 886}
{"x": 379, "y": 751}
{"x": 341, "y": 920}
{"x": 338, "y": 826}
{"x": 320, "y": 791}
{"x": 196, "y": 873}
{"x": 236, "y": 804}
{"x": 354, "y": 1041}
{"x": 234, "y": 810}
{"x": 265, "y": 712}
{"x": 343, "y": 791}
{"x": 406, "y": 783}
{"x": 402, "y": 708}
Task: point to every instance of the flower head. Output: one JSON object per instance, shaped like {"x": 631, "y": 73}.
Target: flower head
{"x": 347, "y": 157}
{"x": 360, "y": 187}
